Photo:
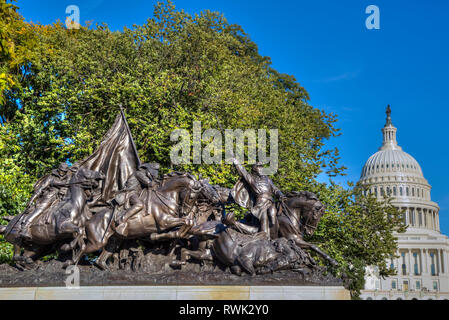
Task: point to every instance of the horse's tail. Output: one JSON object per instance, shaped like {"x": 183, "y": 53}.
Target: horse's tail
{"x": 13, "y": 225}
{"x": 3, "y": 228}
{"x": 7, "y": 218}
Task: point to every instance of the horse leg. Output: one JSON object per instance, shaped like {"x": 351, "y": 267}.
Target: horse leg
{"x": 305, "y": 245}
{"x": 181, "y": 233}
{"x": 107, "y": 252}
{"x": 17, "y": 251}
{"x": 164, "y": 236}
{"x": 32, "y": 253}
{"x": 167, "y": 222}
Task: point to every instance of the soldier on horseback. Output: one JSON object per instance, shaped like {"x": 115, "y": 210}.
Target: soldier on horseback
{"x": 146, "y": 177}
{"x": 47, "y": 191}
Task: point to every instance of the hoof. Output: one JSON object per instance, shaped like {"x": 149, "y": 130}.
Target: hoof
{"x": 334, "y": 263}
{"x": 236, "y": 270}
{"x": 101, "y": 265}
{"x": 176, "y": 264}
{"x": 66, "y": 247}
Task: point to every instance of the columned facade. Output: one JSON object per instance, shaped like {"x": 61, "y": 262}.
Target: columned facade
{"x": 423, "y": 252}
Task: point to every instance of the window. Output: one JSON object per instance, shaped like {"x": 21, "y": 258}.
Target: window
{"x": 382, "y": 191}
{"x": 415, "y": 264}
{"x": 435, "y": 285}
{"x": 393, "y": 285}
{"x": 375, "y": 191}
{"x": 406, "y": 192}
{"x": 413, "y": 192}
{"x": 418, "y": 285}
{"x": 404, "y": 266}
{"x": 432, "y": 264}
{"x": 400, "y": 191}
{"x": 394, "y": 191}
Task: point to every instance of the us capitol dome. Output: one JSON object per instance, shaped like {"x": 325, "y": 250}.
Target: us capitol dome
{"x": 422, "y": 265}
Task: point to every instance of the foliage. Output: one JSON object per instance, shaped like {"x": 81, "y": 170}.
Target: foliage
{"x": 66, "y": 87}
{"x": 358, "y": 231}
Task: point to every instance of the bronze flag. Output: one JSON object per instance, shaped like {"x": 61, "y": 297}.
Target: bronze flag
{"x": 116, "y": 157}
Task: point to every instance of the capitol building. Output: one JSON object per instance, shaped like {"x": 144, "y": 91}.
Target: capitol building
{"x": 422, "y": 265}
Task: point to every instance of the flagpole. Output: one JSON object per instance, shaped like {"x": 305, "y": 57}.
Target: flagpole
{"x": 129, "y": 132}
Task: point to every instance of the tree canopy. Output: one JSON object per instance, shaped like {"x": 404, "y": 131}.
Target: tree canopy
{"x": 61, "y": 90}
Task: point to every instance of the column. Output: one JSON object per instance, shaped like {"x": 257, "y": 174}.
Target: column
{"x": 426, "y": 267}
{"x": 420, "y": 262}
{"x": 437, "y": 218}
{"x": 424, "y": 213}
{"x": 399, "y": 265}
{"x": 410, "y": 269}
{"x": 419, "y": 219}
{"x": 443, "y": 262}
{"x": 431, "y": 220}
{"x": 437, "y": 257}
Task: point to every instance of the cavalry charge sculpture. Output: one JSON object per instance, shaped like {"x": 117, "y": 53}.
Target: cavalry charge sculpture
{"x": 109, "y": 203}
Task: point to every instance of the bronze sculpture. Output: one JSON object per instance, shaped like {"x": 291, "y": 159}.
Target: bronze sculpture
{"x": 109, "y": 201}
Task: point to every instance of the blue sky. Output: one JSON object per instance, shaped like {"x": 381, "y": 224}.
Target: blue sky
{"x": 346, "y": 68}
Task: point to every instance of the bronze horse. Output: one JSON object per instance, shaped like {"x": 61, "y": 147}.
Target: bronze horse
{"x": 166, "y": 215}
{"x": 299, "y": 215}
{"x": 55, "y": 227}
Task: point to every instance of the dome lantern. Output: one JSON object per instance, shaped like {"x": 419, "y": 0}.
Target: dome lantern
{"x": 389, "y": 134}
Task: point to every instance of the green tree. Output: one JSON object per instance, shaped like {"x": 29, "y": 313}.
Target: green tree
{"x": 358, "y": 231}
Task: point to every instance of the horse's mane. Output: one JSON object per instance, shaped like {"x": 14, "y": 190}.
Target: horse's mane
{"x": 307, "y": 195}
{"x": 177, "y": 174}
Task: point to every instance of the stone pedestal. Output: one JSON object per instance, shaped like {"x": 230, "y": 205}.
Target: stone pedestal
{"x": 177, "y": 293}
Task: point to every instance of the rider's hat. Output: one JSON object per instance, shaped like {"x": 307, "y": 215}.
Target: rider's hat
{"x": 64, "y": 167}
{"x": 257, "y": 165}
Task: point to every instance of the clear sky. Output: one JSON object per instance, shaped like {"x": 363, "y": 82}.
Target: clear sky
{"x": 346, "y": 68}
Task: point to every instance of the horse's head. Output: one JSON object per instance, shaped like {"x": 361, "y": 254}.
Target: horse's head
{"x": 209, "y": 192}
{"x": 312, "y": 209}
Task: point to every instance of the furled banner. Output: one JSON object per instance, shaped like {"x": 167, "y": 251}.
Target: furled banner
{"x": 116, "y": 157}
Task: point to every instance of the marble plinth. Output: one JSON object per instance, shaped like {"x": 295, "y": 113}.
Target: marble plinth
{"x": 177, "y": 293}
